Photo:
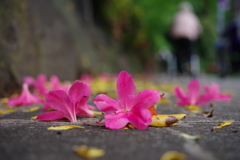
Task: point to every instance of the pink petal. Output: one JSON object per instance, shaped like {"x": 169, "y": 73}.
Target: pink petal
{"x": 183, "y": 103}
{"x": 46, "y": 107}
{"x": 79, "y": 91}
{"x": 106, "y": 104}
{"x": 40, "y": 84}
{"x": 116, "y": 120}
{"x": 29, "y": 80}
{"x": 215, "y": 88}
{"x": 125, "y": 88}
{"x": 55, "y": 82}
{"x": 223, "y": 97}
{"x": 25, "y": 98}
{"x": 193, "y": 90}
{"x": 90, "y": 107}
{"x": 59, "y": 100}
{"x": 54, "y": 115}
{"x": 145, "y": 99}
{"x": 140, "y": 118}
{"x": 203, "y": 99}
{"x": 84, "y": 111}
{"x": 180, "y": 93}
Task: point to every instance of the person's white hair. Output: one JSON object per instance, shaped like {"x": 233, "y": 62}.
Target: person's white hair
{"x": 185, "y": 6}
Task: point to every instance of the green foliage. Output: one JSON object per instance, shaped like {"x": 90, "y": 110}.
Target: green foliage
{"x": 142, "y": 26}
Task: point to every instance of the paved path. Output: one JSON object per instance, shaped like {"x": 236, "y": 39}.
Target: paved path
{"x": 24, "y": 139}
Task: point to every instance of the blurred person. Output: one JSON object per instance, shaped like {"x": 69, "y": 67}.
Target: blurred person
{"x": 232, "y": 33}
{"x": 185, "y": 30}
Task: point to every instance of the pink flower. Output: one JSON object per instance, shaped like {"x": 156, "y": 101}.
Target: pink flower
{"x": 193, "y": 96}
{"x": 56, "y": 84}
{"x": 25, "y": 98}
{"x": 128, "y": 107}
{"x": 214, "y": 91}
{"x": 87, "y": 78}
{"x": 68, "y": 105}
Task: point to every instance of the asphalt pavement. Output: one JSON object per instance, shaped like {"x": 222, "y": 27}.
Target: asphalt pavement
{"x": 23, "y": 138}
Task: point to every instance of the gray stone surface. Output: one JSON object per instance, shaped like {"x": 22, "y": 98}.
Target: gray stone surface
{"x": 25, "y": 139}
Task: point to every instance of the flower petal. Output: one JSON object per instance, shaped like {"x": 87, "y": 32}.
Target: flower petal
{"x": 29, "y": 80}
{"x": 223, "y": 97}
{"x": 116, "y": 120}
{"x": 194, "y": 89}
{"x": 60, "y": 101}
{"x": 179, "y": 93}
{"x": 54, "y": 115}
{"x": 79, "y": 91}
{"x": 106, "y": 104}
{"x": 204, "y": 99}
{"x": 125, "y": 88}
{"x": 145, "y": 99}
{"x": 84, "y": 111}
{"x": 140, "y": 118}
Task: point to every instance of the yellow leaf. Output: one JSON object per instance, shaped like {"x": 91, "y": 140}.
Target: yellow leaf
{"x": 164, "y": 101}
{"x": 194, "y": 109}
{"x": 89, "y": 152}
{"x": 7, "y": 111}
{"x": 166, "y": 120}
{"x": 226, "y": 123}
{"x": 4, "y": 100}
{"x": 187, "y": 136}
{"x": 31, "y": 109}
{"x": 173, "y": 155}
{"x": 64, "y": 127}
{"x": 35, "y": 117}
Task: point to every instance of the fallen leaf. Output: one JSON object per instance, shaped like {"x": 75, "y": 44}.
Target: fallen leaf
{"x": 187, "y": 136}
{"x": 194, "y": 109}
{"x": 35, "y": 117}
{"x": 31, "y": 109}
{"x": 97, "y": 113}
{"x": 89, "y": 152}
{"x": 211, "y": 105}
{"x": 94, "y": 124}
{"x": 164, "y": 101}
{"x": 226, "y": 123}
{"x": 166, "y": 120}
{"x": 173, "y": 155}
{"x": 64, "y": 127}
{"x": 4, "y": 100}
{"x": 7, "y": 111}
{"x": 129, "y": 126}
{"x": 208, "y": 114}
{"x": 235, "y": 131}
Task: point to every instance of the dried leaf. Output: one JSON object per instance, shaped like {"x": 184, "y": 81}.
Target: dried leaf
{"x": 226, "y": 123}
{"x": 64, "y": 127}
{"x": 166, "y": 120}
{"x": 187, "y": 136}
{"x": 35, "y": 117}
{"x": 7, "y": 111}
{"x": 89, "y": 152}
{"x": 129, "y": 126}
{"x": 94, "y": 124}
{"x": 208, "y": 114}
{"x": 173, "y": 155}
{"x": 31, "y": 109}
{"x": 194, "y": 109}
